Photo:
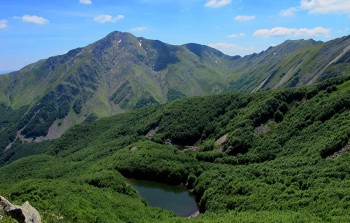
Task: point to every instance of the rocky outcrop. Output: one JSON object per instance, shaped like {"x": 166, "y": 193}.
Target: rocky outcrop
{"x": 221, "y": 141}
{"x": 23, "y": 214}
{"x": 262, "y": 129}
{"x": 152, "y": 133}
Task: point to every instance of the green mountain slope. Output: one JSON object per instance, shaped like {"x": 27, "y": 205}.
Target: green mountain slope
{"x": 293, "y": 63}
{"x": 118, "y": 73}
{"x": 122, "y": 72}
{"x": 271, "y": 156}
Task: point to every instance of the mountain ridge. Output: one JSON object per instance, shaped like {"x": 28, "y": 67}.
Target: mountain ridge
{"x": 122, "y": 72}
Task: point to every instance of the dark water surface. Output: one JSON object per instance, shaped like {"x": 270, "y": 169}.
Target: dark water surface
{"x": 170, "y": 197}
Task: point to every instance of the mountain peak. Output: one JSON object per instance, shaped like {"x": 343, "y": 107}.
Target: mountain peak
{"x": 119, "y": 34}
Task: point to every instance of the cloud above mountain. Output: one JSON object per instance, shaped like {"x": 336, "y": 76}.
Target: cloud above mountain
{"x": 301, "y": 32}
{"x": 326, "y": 6}
{"x": 138, "y": 29}
{"x": 34, "y": 19}
{"x": 232, "y": 49}
{"x": 86, "y": 2}
{"x": 217, "y": 3}
{"x": 104, "y": 18}
{"x": 289, "y": 12}
{"x": 245, "y": 18}
{"x": 3, "y": 24}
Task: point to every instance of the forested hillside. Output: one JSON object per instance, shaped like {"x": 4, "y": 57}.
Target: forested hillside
{"x": 270, "y": 156}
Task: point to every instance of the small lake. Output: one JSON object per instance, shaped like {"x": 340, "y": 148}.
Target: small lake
{"x": 174, "y": 198}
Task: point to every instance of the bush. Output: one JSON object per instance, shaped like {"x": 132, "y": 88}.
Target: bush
{"x": 278, "y": 116}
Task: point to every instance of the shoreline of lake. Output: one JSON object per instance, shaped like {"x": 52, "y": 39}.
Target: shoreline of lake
{"x": 176, "y": 198}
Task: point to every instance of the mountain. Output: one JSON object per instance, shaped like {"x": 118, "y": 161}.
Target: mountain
{"x": 122, "y": 72}
{"x": 272, "y": 156}
{"x": 293, "y": 63}
{"x": 118, "y": 73}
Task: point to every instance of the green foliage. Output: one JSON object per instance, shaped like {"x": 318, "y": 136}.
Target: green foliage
{"x": 155, "y": 162}
{"x": 174, "y": 94}
{"x": 209, "y": 156}
{"x": 123, "y": 95}
{"x": 8, "y": 219}
{"x": 77, "y": 106}
{"x": 19, "y": 150}
{"x": 90, "y": 118}
{"x": 191, "y": 180}
{"x": 278, "y": 116}
{"x": 280, "y": 174}
{"x": 208, "y": 145}
{"x": 73, "y": 202}
{"x": 9, "y": 124}
{"x": 185, "y": 122}
{"x": 55, "y": 105}
{"x": 143, "y": 102}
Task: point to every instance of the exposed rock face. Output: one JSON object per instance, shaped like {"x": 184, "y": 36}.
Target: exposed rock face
{"x": 152, "y": 133}
{"x": 221, "y": 141}
{"x": 262, "y": 129}
{"x": 23, "y": 214}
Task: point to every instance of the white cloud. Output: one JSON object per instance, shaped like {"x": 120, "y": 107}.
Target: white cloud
{"x": 289, "y": 12}
{"x": 217, "y": 3}
{"x": 138, "y": 29}
{"x": 34, "y": 19}
{"x": 87, "y": 2}
{"x": 244, "y": 18}
{"x": 232, "y": 49}
{"x": 107, "y": 18}
{"x": 3, "y": 24}
{"x": 235, "y": 35}
{"x": 284, "y": 31}
{"x": 326, "y": 6}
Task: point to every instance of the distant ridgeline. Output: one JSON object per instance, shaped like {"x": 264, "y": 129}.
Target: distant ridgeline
{"x": 271, "y": 156}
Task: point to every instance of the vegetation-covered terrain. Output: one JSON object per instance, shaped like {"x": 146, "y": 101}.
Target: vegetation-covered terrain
{"x": 271, "y": 156}
{"x": 122, "y": 72}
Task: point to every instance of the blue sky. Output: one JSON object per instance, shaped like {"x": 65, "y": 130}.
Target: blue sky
{"x": 31, "y": 29}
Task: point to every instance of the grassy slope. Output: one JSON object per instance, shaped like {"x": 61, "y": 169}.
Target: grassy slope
{"x": 274, "y": 63}
{"x": 45, "y": 73}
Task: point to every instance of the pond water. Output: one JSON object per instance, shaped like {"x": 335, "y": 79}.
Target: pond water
{"x": 174, "y": 198}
